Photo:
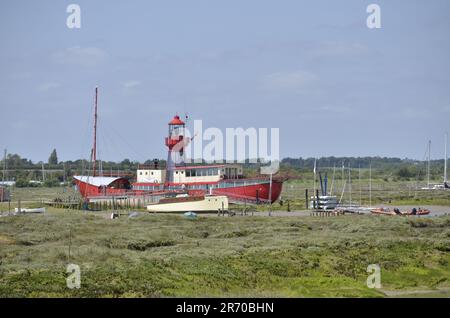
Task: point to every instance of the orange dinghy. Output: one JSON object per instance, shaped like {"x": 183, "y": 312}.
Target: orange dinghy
{"x": 382, "y": 211}
{"x": 395, "y": 211}
{"x": 419, "y": 211}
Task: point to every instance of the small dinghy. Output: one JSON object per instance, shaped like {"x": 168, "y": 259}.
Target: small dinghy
{"x": 190, "y": 215}
{"x": 25, "y": 210}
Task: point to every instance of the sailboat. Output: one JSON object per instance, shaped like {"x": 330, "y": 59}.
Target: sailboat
{"x": 428, "y": 187}
{"x": 445, "y": 184}
{"x": 325, "y": 201}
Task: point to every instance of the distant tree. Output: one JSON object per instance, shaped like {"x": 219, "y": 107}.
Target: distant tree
{"x": 53, "y": 159}
{"x": 404, "y": 173}
{"x": 51, "y": 183}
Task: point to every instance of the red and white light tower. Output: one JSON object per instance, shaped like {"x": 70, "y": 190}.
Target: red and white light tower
{"x": 176, "y": 144}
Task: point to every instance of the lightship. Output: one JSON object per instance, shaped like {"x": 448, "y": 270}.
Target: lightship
{"x": 215, "y": 179}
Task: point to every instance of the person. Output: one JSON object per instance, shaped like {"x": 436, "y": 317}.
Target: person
{"x": 414, "y": 211}
{"x": 397, "y": 211}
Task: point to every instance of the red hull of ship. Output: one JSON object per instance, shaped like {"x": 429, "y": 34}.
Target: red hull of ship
{"x": 89, "y": 190}
{"x": 251, "y": 193}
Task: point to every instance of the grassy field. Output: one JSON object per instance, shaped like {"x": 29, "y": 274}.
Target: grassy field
{"x": 168, "y": 255}
{"x": 383, "y": 192}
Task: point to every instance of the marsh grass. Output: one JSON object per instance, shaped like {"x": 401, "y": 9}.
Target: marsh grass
{"x": 156, "y": 255}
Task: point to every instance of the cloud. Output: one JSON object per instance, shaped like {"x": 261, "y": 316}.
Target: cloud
{"x": 296, "y": 81}
{"x": 17, "y": 76}
{"x": 19, "y": 124}
{"x": 83, "y": 56}
{"x": 334, "y": 109}
{"x": 131, "y": 84}
{"x": 45, "y": 87}
{"x": 343, "y": 49}
{"x": 415, "y": 113}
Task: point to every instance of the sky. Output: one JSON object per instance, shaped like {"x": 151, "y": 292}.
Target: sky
{"x": 313, "y": 69}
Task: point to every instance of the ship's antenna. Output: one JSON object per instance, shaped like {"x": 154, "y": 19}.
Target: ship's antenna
{"x": 94, "y": 149}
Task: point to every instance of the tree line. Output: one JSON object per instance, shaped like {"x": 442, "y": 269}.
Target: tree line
{"x": 54, "y": 172}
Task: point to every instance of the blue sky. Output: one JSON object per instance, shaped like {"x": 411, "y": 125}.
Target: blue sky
{"x": 311, "y": 68}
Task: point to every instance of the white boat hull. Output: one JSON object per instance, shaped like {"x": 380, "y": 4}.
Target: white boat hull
{"x": 24, "y": 210}
{"x": 325, "y": 202}
{"x": 208, "y": 204}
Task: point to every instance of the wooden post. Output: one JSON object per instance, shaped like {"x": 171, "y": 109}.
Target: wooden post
{"x": 306, "y": 197}
{"x": 18, "y": 206}
{"x": 317, "y": 199}
{"x": 70, "y": 242}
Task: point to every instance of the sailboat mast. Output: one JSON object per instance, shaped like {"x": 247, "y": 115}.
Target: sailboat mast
{"x": 428, "y": 167}
{"x": 4, "y": 165}
{"x": 314, "y": 171}
{"x": 445, "y": 158}
{"x": 332, "y": 180}
{"x": 359, "y": 181}
{"x": 94, "y": 149}
{"x": 350, "y": 182}
{"x": 370, "y": 185}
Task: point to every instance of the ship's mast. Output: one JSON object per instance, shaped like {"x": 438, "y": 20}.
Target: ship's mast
{"x": 94, "y": 149}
